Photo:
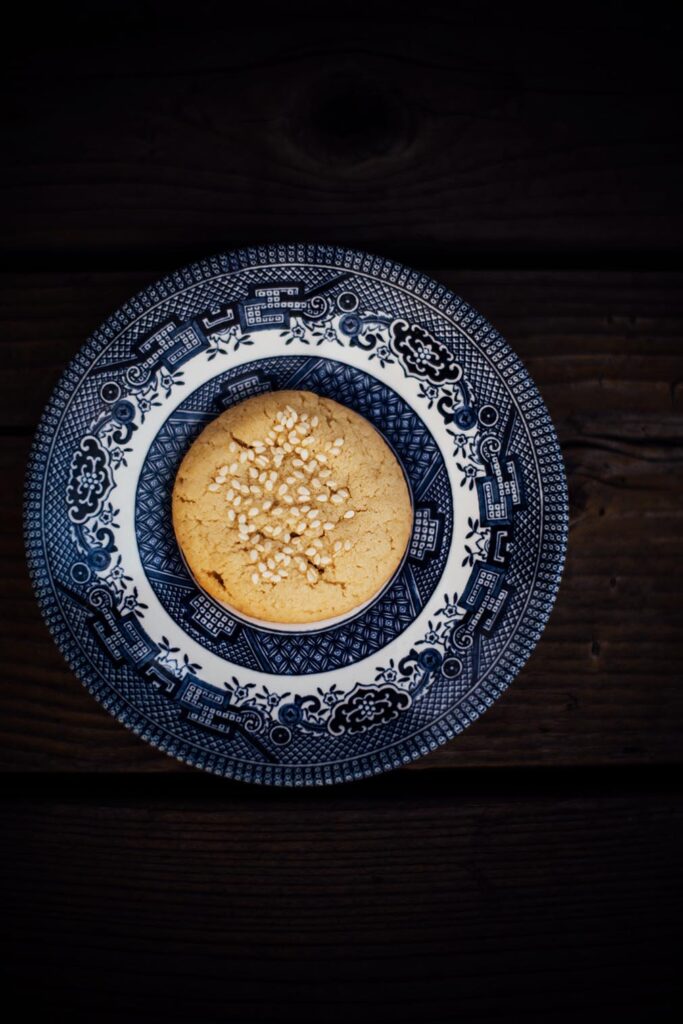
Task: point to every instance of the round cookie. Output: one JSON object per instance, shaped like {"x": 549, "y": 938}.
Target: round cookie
{"x": 291, "y": 508}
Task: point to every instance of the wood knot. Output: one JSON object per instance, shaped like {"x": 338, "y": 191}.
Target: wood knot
{"x": 349, "y": 119}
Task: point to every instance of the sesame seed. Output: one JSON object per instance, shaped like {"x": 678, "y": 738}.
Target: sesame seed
{"x": 255, "y": 578}
{"x": 337, "y": 546}
{"x": 335, "y": 451}
{"x": 232, "y": 447}
{"x": 350, "y": 514}
{"x": 261, "y": 461}
{"x": 277, "y": 531}
{"x": 262, "y": 566}
{"x": 328, "y": 526}
{"x": 317, "y": 542}
{"x": 298, "y": 475}
{"x": 262, "y": 477}
{"x": 304, "y": 454}
{"x": 325, "y": 473}
{"x": 315, "y": 525}
{"x": 223, "y": 471}
{"x": 242, "y": 518}
{"x": 286, "y": 561}
{"x": 310, "y": 552}
{"x": 338, "y": 442}
{"x": 238, "y": 501}
{"x": 307, "y": 441}
{"x": 268, "y": 485}
{"x": 304, "y": 491}
{"x": 325, "y": 560}
{"x": 321, "y": 497}
{"x": 234, "y": 468}
{"x": 255, "y": 490}
{"x": 287, "y": 447}
{"x": 267, "y": 505}
{"x": 321, "y": 458}
{"x": 343, "y": 492}
{"x": 278, "y": 512}
{"x": 337, "y": 499}
{"x": 282, "y": 489}
{"x": 270, "y": 562}
{"x": 312, "y": 513}
{"x": 253, "y": 555}
{"x": 311, "y": 575}
{"x": 297, "y": 462}
{"x": 347, "y": 545}
{"x": 230, "y": 495}
{"x": 243, "y": 457}
{"x": 231, "y": 516}
{"x": 253, "y": 473}
{"x": 214, "y": 487}
{"x": 283, "y": 574}
{"x": 315, "y": 421}
{"x": 316, "y": 559}
{"x": 288, "y": 499}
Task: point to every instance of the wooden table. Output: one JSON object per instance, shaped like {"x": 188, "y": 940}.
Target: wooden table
{"x": 531, "y": 868}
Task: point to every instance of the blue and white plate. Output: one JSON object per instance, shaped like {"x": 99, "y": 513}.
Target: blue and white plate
{"x": 322, "y": 704}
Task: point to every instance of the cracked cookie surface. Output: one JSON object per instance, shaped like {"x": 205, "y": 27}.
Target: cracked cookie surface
{"x": 291, "y": 508}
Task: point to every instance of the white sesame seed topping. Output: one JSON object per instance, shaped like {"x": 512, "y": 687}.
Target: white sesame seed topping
{"x": 255, "y": 578}
{"x": 328, "y": 526}
{"x": 321, "y": 497}
{"x": 347, "y": 545}
{"x": 315, "y": 525}
{"x": 253, "y": 555}
{"x": 214, "y": 487}
{"x": 349, "y": 514}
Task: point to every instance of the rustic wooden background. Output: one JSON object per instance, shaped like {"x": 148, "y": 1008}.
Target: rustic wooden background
{"x": 531, "y": 868}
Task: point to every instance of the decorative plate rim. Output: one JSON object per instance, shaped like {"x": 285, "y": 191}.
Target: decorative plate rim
{"x": 542, "y": 593}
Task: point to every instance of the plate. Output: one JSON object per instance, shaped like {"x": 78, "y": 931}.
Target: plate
{"x": 333, "y": 701}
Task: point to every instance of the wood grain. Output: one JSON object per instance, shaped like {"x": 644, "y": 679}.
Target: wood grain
{"x": 224, "y": 903}
{"x": 436, "y": 136}
{"x": 603, "y": 687}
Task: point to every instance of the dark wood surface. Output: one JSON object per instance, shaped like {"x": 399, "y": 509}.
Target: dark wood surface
{"x": 530, "y": 869}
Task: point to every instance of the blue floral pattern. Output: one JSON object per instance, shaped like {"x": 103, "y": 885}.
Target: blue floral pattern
{"x": 504, "y": 457}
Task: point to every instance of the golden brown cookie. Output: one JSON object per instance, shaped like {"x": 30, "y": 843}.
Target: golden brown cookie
{"x": 291, "y": 508}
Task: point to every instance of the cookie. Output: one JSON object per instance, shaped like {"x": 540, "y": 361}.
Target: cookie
{"x": 291, "y": 508}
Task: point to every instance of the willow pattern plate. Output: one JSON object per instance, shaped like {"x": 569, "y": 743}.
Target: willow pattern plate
{"x": 389, "y": 682}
